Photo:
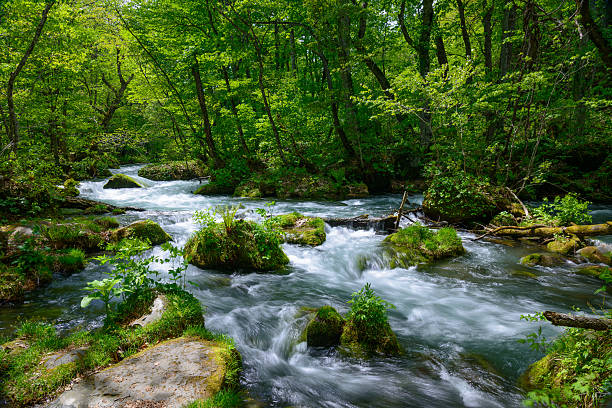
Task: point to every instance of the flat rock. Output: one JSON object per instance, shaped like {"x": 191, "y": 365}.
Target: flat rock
{"x": 158, "y": 308}
{"x": 64, "y": 357}
{"x": 169, "y": 375}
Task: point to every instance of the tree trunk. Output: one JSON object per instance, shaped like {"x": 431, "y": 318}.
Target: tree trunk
{"x": 441, "y": 54}
{"x": 111, "y": 108}
{"x": 506, "y": 51}
{"x": 210, "y": 142}
{"x": 488, "y": 34}
{"x": 13, "y": 128}
{"x": 603, "y": 46}
{"x": 243, "y": 143}
{"x": 464, "y": 31}
{"x": 583, "y": 322}
{"x": 293, "y": 56}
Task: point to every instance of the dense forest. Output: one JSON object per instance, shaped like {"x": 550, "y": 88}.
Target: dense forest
{"x": 492, "y": 117}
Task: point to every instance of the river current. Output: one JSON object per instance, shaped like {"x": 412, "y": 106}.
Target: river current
{"x": 458, "y": 320}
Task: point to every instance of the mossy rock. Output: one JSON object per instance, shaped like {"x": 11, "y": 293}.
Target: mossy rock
{"x": 564, "y": 245}
{"x": 68, "y": 261}
{"x": 542, "y": 259}
{"x": 106, "y": 223}
{"x": 418, "y": 244}
{"x": 145, "y": 229}
{"x": 248, "y": 190}
{"x": 122, "y": 181}
{"x": 174, "y": 170}
{"x": 302, "y": 230}
{"x": 212, "y": 188}
{"x": 12, "y": 285}
{"x": 537, "y": 375}
{"x": 594, "y": 270}
{"x": 594, "y": 255}
{"x": 247, "y": 245}
{"x": 325, "y": 329}
{"x": 355, "y": 342}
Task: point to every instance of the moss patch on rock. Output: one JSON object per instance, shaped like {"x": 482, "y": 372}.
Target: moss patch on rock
{"x": 325, "y": 329}
{"x": 564, "y": 245}
{"x": 594, "y": 255}
{"x": 245, "y": 245}
{"x": 356, "y": 343}
{"x": 418, "y": 244}
{"x": 122, "y": 181}
{"x": 299, "y": 229}
{"x": 542, "y": 259}
{"x": 596, "y": 271}
{"x": 145, "y": 230}
{"x": 174, "y": 170}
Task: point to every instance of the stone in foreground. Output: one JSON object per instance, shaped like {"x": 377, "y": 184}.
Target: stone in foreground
{"x": 168, "y": 375}
{"x": 145, "y": 229}
{"x": 122, "y": 181}
{"x": 302, "y": 230}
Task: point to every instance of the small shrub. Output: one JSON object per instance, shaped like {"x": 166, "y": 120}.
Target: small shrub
{"x": 369, "y": 314}
{"x": 563, "y": 211}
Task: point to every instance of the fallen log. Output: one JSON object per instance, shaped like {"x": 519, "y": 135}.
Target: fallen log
{"x": 364, "y": 222}
{"x": 545, "y": 231}
{"x": 583, "y": 322}
{"x": 84, "y": 203}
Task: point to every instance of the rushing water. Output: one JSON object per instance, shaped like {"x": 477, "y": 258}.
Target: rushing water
{"x": 458, "y": 320}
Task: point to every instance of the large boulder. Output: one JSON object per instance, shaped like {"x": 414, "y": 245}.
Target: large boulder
{"x": 145, "y": 229}
{"x": 170, "y": 375}
{"x": 325, "y": 329}
{"x": 564, "y": 245}
{"x": 299, "y": 229}
{"x": 122, "y": 181}
{"x": 542, "y": 259}
{"x": 245, "y": 245}
{"x": 594, "y": 255}
{"x": 418, "y": 244}
{"x": 174, "y": 170}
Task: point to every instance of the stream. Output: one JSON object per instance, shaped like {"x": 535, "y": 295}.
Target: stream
{"x": 458, "y": 320}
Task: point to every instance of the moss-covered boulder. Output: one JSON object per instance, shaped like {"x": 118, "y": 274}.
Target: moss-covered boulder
{"x": 564, "y": 245}
{"x": 418, "y": 244}
{"x": 122, "y": 181}
{"x": 356, "y": 341}
{"x": 174, "y": 170}
{"x": 542, "y": 259}
{"x": 458, "y": 197}
{"x": 325, "y": 329}
{"x": 245, "y": 245}
{"x": 594, "y": 255}
{"x": 145, "y": 230}
{"x": 302, "y": 230}
{"x": 536, "y": 375}
{"x": 595, "y": 271}
{"x": 214, "y": 188}
{"x": 68, "y": 261}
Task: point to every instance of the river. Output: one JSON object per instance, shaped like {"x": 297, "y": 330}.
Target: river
{"x": 458, "y": 320}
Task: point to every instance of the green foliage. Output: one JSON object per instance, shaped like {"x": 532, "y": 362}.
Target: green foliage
{"x": 563, "y": 211}
{"x": 369, "y": 314}
{"x": 223, "y": 399}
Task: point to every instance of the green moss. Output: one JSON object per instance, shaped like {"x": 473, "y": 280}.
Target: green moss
{"x": 418, "y": 244}
{"x": 325, "y": 329}
{"x": 145, "y": 229}
{"x": 595, "y": 271}
{"x": 97, "y": 209}
{"x": 564, "y": 245}
{"x": 247, "y": 245}
{"x": 542, "y": 259}
{"x": 106, "y": 223}
{"x": 356, "y": 342}
{"x": 212, "y": 188}
{"x": 122, "y": 181}
{"x": 174, "y": 170}
{"x": 68, "y": 261}
{"x": 12, "y": 284}
{"x": 302, "y": 230}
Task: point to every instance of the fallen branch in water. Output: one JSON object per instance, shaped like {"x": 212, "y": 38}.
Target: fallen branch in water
{"x": 545, "y": 231}
{"x": 582, "y": 322}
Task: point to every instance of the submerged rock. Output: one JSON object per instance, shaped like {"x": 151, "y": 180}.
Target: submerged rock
{"x": 594, "y": 270}
{"x": 145, "y": 229}
{"x": 122, "y": 181}
{"x": 302, "y": 230}
{"x": 246, "y": 245}
{"x": 418, "y": 244}
{"x": 325, "y": 329}
{"x": 594, "y": 255}
{"x": 170, "y": 374}
{"x": 542, "y": 259}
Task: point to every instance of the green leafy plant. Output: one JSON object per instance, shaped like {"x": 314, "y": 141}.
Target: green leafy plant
{"x": 104, "y": 290}
{"x": 563, "y": 211}
{"x": 369, "y": 313}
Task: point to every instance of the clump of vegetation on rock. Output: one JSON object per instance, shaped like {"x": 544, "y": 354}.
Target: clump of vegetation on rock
{"x": 418, "y": 244}
{"x": 542, "y": 259}
{"x": 235, "y": 244}
{"x": 367, "y": 329}
{"x": 299, "y": 229}
{"x": 174, "y": 170}
{"x": 144, "y": 229}
{"x": 122, "y": 181}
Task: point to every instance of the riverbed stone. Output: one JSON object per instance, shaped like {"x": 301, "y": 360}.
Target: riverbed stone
{"x": 170, "y": 375}
{"x": 145, "y": 229}
{"x": 564, "y": 246}
{"x": 122, "y": 181}
{"x": 325, "y": 329}
{"x": 302, "y": 230}
{"x": 535, "y": 375}
{"x": 64, "y": 357}
{"x": 542, "y": 259}
{"x": 594, "y": 255}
